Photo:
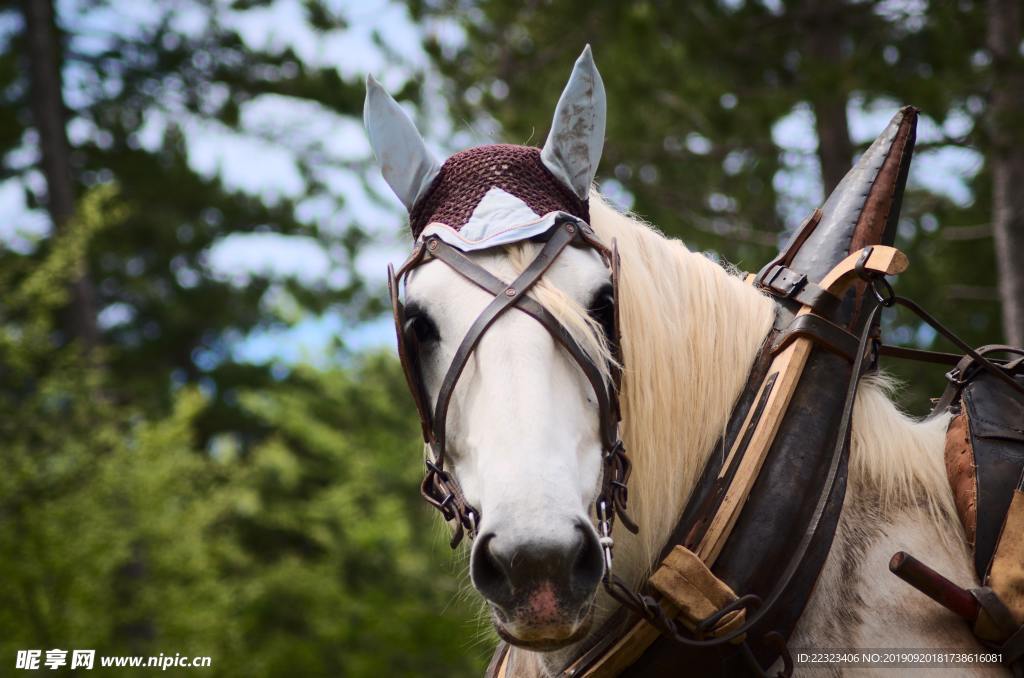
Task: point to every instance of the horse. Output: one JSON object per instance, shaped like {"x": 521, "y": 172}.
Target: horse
{"x": 524, "y": 442}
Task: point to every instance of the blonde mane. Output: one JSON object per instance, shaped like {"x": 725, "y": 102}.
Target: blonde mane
{"x": 691, "y": 330}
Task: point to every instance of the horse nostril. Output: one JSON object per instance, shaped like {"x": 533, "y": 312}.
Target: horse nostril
{"x": 508, "y": 571}
{"x": 489, "y": 571}
{"x": 588, "y": 567}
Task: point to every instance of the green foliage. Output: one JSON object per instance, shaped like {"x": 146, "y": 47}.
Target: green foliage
{"x": 695, "y": 90}
{"x": 335, "y": 501}
{"x": 134, "y": 88}
{"x": 308, "y": 554}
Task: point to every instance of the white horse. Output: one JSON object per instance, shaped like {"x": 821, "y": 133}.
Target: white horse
{"x": 524, "y": 440}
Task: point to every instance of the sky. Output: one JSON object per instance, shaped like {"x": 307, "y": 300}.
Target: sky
{"x": 260, "y": 159}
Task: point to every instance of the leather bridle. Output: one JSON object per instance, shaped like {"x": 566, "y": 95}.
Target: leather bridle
{"x": 439, "y": 487}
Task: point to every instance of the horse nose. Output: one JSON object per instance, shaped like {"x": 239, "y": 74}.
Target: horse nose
{"x": 506, "y": 571}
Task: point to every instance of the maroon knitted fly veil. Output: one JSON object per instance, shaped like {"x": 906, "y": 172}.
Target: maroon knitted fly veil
{"x": 466, "y": 177}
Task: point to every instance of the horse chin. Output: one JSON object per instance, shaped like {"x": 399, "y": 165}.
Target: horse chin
{"x": 543, "y": 637}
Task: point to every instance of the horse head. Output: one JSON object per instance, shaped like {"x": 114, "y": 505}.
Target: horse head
{"x": 523, "y": 428}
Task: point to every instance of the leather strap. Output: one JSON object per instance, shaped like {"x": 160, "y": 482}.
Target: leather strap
{"x": 501, "y": 303}
{"x": 497, "y": 668}
{"x": 975, "y": 359}
{"x": 614, "y": 489}
{"x": 919, "y": 355}
{"x": 823, "y": 332}
{"x": 785, "y": 257}
{"x": 960, "y": 343}
{"x": 483, "y": 279}
{"x": 439, "y": 487}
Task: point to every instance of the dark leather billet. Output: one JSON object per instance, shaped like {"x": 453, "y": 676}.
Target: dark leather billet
{"x": 821, "y": 331}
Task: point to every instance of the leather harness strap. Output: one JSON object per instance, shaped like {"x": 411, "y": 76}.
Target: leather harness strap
{"x": 483, "y": 279}
{"x": 739, "y": 471}
{"x": 957, "y": 377}
{"x": 614, "y": 491}
{"x": 837, "y": 339}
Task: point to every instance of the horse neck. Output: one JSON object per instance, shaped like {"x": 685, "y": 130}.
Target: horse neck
{"x": 690, "y": 333}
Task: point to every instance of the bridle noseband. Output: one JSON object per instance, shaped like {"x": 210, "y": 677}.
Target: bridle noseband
{"x": 439, "y": 486}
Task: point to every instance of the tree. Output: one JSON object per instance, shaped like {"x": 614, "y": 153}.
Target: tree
{"x": 1006, "y": 109}
{"x": 825, "y": 30}
{"x": 702, "y": 95}
{"x": 45, "y": 58}
{"x": 129, "y": 90}
{"x": 310, "y": 554}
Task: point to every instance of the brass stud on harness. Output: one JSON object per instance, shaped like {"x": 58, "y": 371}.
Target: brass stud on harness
{"x": 570, "y": 227}
{"x": 432, "y": 245}
{"x": 511, "y": 292}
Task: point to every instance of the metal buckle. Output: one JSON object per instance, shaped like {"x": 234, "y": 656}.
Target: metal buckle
{"x": 788, "y": 290}
{"x": 605, "y": 539}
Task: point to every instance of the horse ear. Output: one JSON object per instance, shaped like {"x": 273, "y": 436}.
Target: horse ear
{"x": 574, "y": 145}
{"x": 404, "y": 160}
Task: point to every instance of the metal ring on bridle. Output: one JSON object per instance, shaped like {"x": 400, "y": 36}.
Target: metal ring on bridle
{"x": 889, "y": 297}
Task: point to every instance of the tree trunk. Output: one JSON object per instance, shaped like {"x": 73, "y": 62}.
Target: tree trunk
{"x": 45, "y": 60}
{"x": 823, "y": 28}
{"x": 1006, "y": 131}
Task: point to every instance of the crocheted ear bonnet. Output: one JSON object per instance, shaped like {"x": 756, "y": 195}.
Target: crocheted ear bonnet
{"x": 466, "y": 177}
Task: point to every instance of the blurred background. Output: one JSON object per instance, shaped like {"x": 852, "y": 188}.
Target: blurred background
{"x": 205, "y": 440}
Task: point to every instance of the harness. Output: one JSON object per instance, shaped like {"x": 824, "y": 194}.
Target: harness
{"x": 728, "y": 623}
{"x": 773, "y": 490}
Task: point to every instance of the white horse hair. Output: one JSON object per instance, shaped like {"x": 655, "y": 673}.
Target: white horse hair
{"x": 691, "y": 330}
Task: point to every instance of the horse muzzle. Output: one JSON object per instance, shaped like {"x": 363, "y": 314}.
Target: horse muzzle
{"x": 541, "y": 591}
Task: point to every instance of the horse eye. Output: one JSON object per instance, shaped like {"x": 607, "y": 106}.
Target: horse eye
{"x": 420, "y": 325}
{"x": 602, "y": 309}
